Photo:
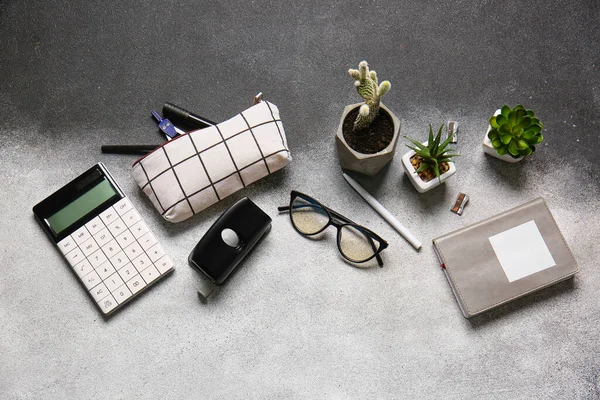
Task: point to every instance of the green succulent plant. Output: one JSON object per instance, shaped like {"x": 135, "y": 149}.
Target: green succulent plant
{"x": 433, "y": 154}
{"x": 368, "y": 88}
{"x": 515, "y": 132}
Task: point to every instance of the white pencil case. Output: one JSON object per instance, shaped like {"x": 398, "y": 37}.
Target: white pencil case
{"x": 199, "y": 168}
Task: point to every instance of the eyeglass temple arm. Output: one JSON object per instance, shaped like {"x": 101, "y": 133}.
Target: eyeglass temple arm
{"x": 377, "y": 257}
{"x": 347, "y": 220}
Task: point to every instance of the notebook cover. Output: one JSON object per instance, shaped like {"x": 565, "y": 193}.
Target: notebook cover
{"x": 480, "y": 280}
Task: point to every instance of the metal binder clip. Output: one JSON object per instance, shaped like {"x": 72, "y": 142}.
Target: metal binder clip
{"x": 452, "y": 131}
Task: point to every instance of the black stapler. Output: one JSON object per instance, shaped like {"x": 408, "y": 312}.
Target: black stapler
{"x": 227, "y": 242}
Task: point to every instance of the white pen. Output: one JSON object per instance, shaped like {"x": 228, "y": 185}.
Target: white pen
{"x": 384, "y": 213}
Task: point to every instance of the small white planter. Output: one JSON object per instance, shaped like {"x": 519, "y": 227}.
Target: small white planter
{"x": 489, "y": 149}
{"x": 416, "y": 180}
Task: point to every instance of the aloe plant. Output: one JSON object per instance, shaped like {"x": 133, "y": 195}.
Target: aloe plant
{"x": 433, "y": 154}
{"x": 515, "y": 132}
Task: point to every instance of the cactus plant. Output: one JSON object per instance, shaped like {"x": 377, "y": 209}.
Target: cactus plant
{"x": 368, "y": 88}
{"x": 515, "y": 132}
{"x": 433, "y": 156}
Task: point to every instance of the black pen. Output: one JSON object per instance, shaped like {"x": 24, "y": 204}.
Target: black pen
{"x": 185, "y": 120}
{"x": 129, "y": 148}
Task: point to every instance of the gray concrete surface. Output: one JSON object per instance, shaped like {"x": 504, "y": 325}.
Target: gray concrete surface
{"x": 297, "y": 321}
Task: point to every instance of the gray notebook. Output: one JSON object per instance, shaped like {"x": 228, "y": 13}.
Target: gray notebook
{"x": 504, "y": 257}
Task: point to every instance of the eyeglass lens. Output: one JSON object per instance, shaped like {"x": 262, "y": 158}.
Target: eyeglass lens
{"x": 356, "y": 245}
{"x": 307, "y": 216}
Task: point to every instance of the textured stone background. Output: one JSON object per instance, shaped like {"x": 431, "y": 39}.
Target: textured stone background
{"x": 297, "y": 321}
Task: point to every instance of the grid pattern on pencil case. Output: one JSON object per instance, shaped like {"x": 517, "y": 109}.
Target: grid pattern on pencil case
{"x": 207, "y": 165}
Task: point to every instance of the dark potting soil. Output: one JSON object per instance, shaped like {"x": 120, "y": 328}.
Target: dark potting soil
{"x": 371, "y": 139}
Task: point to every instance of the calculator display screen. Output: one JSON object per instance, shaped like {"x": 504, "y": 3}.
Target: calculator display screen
{"x": 78, "y": 208}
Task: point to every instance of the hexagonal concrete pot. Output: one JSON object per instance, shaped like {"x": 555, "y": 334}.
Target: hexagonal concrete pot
{"x": 368, "y": 164}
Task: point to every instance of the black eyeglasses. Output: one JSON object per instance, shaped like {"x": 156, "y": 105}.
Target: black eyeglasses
{"x": 355, "y": 242}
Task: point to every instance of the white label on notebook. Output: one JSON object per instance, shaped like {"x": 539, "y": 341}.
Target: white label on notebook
{"x": 522, "y": 251}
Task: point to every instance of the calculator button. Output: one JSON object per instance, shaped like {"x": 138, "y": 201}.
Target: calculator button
{"x": 81, "y": 235}
{"x": 109, "y": 215}
{"x": 131, "y": 217}
{"x": 113, "y": 282}
{"x": 91, "y": 280}
{"x": 122, "y": 293}
{"x": 94, "y": 226}
{"x": 155, "y": 252}
{"x": 136, "y": 284}
{"x": 119, "y": 260}
{"x": 147, "y": 241}
{"x": 107, "y": 304}
{"x": 74, "y": 256}
{"x": 83, "y": 268}
{"x": 142, "y": 262}
{"x": 105, "y": 270}
{"x": 123, "y": 206}
{"x": 66, "y": 245}
{"x": 164, "y": 264}
{"x": 133, "y": 250}
{"x": 89, "y": 246}
{"x": 117, "y": 226}
{"x": 150, "y": 274}
{"x": 99, "y": 292}
{"x": 125, "y": 239}
{"x": 97, "y": 258}
{"x": 127, "y": 272}
{"x": 139, "y": 229}
{"x": 111, "y": 248}
{"x": 103, "y": 237}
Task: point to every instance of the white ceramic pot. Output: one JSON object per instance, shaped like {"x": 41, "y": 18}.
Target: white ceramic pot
{"x": 416, "y": 180}
{"x": 489, "y": 149}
